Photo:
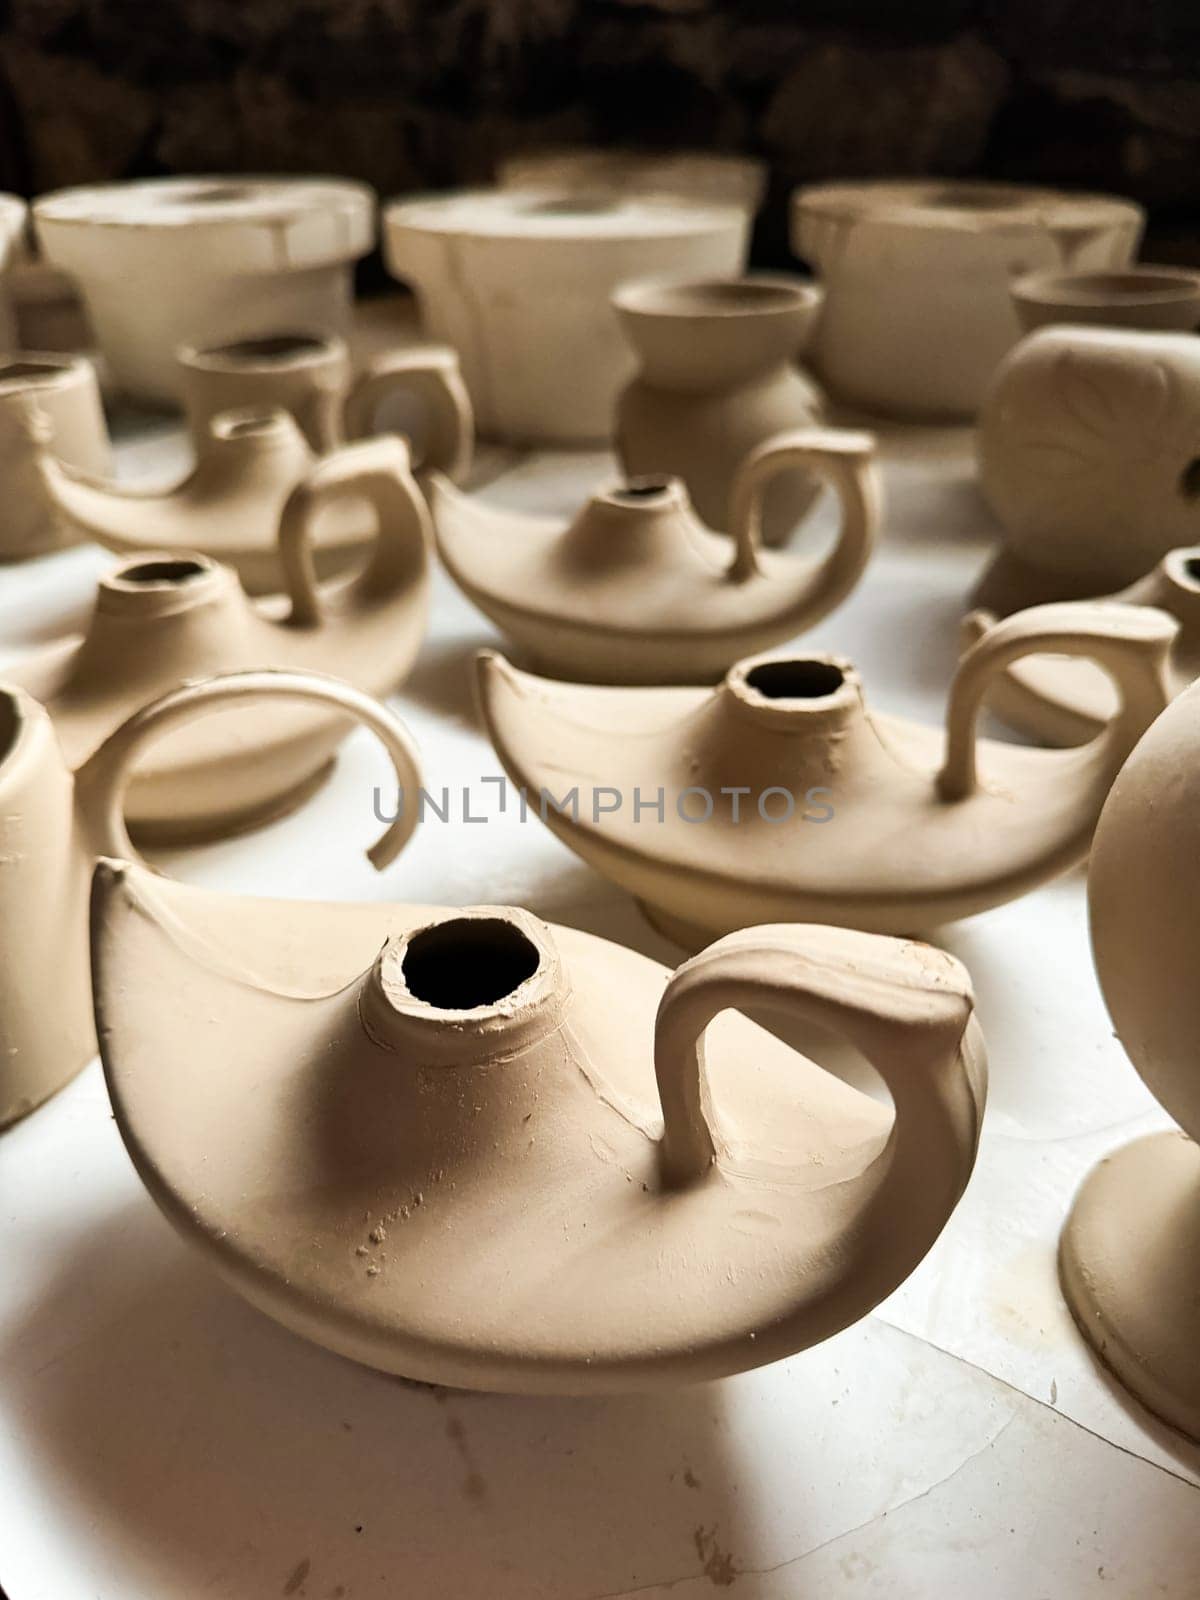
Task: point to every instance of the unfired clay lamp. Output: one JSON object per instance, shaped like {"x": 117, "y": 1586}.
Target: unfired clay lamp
{"x": 592, "y": 170}
{"x": 918, "y": 311}
{"x": 233, "y": 503}
{"x": 159, "y": 620}
{"x": 518, "y": 282}
{"x": 1065, "y": 701}
{"x": 53, "y": 823}
{"x": 1089, "y": 454}
{"x": 718, "y": 377}
{"x": 1130, "y": 1251}
{"x": 785, "y": 799}
{"x": 47, "y": 402}
{"x": 438, "y": 1147}
{"x": 310, "y": 376}
{"x": 636, "y": 590}
{"x": 171, "y": 261}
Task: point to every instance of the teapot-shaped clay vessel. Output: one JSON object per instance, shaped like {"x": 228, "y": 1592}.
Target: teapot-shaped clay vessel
{"x": 55, "y": 821}
{"x": 436, "y": 1146}
{"x": 47, "y": 403}
{"x": 636, "y": 590}
{"x": 162, "y": 619}
{"x": 717, "y": 378}
{"x": 1089, "y": 454}
{"x": 310, "y": 376}
{"x": 1067, "y": 701}
{"x": 778, "y": 796}
{"x": 1129, "y": 1258}
{"x": 232, "y": 504}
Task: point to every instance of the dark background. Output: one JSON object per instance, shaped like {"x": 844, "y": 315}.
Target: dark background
{"x": 413, "y": 94}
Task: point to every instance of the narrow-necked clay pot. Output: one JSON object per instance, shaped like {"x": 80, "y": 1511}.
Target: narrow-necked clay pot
{"x": 718, "y": 377}
{"x": 636, "y": 590}
{"x": 1089, "y": 454}
{"x": 53, "y": 824}
{"x": 47, "y": 403}
{"x": 779, "y": 797}
{"x": 918, "y": 311}
{"x": 1066, "y": 701}
{"x": 1141, "y": 296}
{"x": 233, "y": 503}
{"x": 694, "y": 174}
{"x": 1130, "y": 1252}
{"x": 518, "y": 282}
{"x": 160, "y": 620}
{"x": 310, "y": 376}
{"x": 165, "y": 262}
{"x": 436, "y": 1145}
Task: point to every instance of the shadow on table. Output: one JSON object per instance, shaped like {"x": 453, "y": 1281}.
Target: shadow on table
{"x": 217, "y": 1451}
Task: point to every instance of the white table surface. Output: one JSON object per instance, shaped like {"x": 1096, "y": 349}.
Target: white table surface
{"x": 161, "y": 1440}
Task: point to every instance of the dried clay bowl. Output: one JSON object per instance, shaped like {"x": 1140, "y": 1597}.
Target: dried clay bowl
{"x": 435, "y": 1145}
{"x": 55, "y": 821}
{"x": 1130, "y": 1251}
{"x": 518, "y": 282}
{"x": 782, "y": 797}
{"x": 636, "y": 590}
{"x": 1089, "y": 455}
{"x": 166, "y": 262}
{"x": 918, "y": 311}
{"x": 717, "y": 378}
{"x": 1165, "y": 299}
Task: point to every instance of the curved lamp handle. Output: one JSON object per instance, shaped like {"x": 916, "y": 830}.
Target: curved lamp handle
{"x": 376, "y": 470}
{"x": 1131, "y": 643}
{"x": 845, "y": 459}
{"x": 431, "y": 376}
{"x": 905, "y": 1006}
{"x": 100, "y": 784}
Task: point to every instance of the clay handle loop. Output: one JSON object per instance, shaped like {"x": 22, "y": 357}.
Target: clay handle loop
{"x": 377, "y": 470}
{"x": 905, "y": 1006}
{"x": 432, "y": 377}
{"x": 843, "y": 458}
{"x": 100, "y": 784}
{"x": 1131, "y": 643}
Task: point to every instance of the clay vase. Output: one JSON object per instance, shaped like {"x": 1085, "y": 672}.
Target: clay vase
{"x": 717, "y": 378}
{"x": 518, "y": 282}
{"x": 161, "y": 620}
{"x": 233, "y": 503}
{"x": 1166, "y": 299}
{"x": 779, "y": 796}
{"x": 47, "y": 403}
{"x": 1068, "y": 702}
{"x": 591, "y": 170}
{"x": 1130, "y": 1252}
{"x": 436, "y": 1146}
{"x": 636, "y": 590}
{"x": 166, "y": 262}
{"x": 53, "y": 824}
{"x": 917, "y": 311}
{"x": 1089, "y": 457}
{"x": 310, "y": 376}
